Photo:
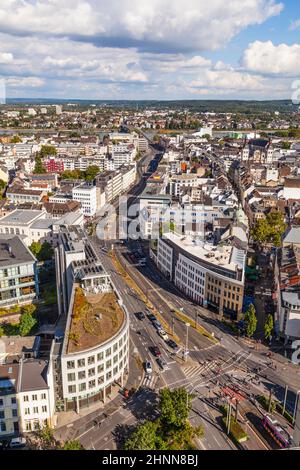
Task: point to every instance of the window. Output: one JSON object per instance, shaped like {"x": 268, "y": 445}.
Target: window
{"x": 43, "y": 396}
{"x": 2, "y": 415}
{"x": 35, "y": 410}
{"x": 91, "y": 360}
{"x": 81, "y": 375}
{"x": 28, "y": 426}
{"x": 27, "y": 411}
{"x": 25, "y": 398}
{"x": 34, "y": 397}
{"x": 72, "y": 388}
{"x": 101, "y": 379}
{"x": 108, "y": 364}
{"x": 116, "y": 359}
{"x": 44, "y": 409}
{"x": 71, "y": 377}
{"x": 1, "y": 402}
{"x": 108, "y": 352}
{"x": 81, "y": 362}
{"x": 82, "y": 387}
{"x": 108, "y": 375}
{"x": 115, "y": 348}
{"x": 3, "y": 426}
{"x": 91, "y": 372}
{"x": 14, "y": 413}
{"x": 71, "y": 365}
{"x": 100, "y": 368}
{"x": 100, "y": 356}
{"x": 92, "y": 383}
{"x": 13, "y": 401}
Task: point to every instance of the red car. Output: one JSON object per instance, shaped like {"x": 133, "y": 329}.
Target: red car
{"x": 155, "y": 351}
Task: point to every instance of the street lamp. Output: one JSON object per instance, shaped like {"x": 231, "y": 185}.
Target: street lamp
{"x": 295, "y": 408}
{"x": 187, "y": 340}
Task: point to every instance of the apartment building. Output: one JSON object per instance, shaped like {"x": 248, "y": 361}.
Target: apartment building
{"x": 18, "y": 272}
{"x": 87, "y": 196}
{"x": 26, "y": 397}
{"x": 19, "y": 196}
{"x": 211, "y": 276}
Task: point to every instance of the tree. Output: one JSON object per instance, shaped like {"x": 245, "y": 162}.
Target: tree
{"x": 27, "y": 323}
{"x": 145, "y": 437}
{"x": 30, "y": 308}
{"x": 46, "y": 252}
{"x": 269, "y": 327}
{"x": 16, "y": 139}
{"x": 91, "y": 172}
{"x": 286, "y": 145}
{"x": 1, "y": 331}
{"x": 72, "y": 445}
{"x": 38, "y": 169}
{"x": 270, "y": 229}
{"x": 174, "y": 407}
{"x": 35, "y": 248}
{"x": 48, "y": 151}
{"x": 250, "y": 321}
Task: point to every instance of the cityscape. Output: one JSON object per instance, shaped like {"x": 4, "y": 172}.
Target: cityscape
{"x": 149, "y": 234}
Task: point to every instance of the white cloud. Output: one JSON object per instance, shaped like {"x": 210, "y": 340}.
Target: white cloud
{"x": 294, "y": 25}
{"x": 266, "y": 58}
{"x": 22, "y": 82}
{"x": 6, "y": 58}
{"x": 195, "y": 24}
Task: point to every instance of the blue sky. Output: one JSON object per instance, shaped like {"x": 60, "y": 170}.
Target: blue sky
{"x": 163, "y": 49}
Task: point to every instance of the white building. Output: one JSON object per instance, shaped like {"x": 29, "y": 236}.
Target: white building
{"x": 87, "y": 196}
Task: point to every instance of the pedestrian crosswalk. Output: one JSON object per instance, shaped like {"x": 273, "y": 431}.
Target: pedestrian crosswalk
{"x": 198, "y": 370}
{"x": 150, "y": 381}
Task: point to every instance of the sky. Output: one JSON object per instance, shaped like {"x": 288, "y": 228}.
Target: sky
{"x": 158, "y": 49}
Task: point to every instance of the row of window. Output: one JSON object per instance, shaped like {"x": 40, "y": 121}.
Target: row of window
{"x": 99, "y": 357}
{"x": 36, "y": 410}
{"x": 82, "y": 387}
{"x": 34, "y": 397}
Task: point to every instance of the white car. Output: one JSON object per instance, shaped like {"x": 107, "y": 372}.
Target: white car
{"x": 148, "y": 367}
{"x": 163, "y": 334}
{"x": 17, "y": 442}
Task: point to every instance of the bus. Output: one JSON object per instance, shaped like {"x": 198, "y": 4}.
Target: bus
{"x": 277, "y": 432}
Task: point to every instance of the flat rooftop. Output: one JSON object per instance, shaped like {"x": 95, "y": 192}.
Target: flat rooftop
{"x": 14, "y": 251}
{"x": 95, "y": 319}
{"x": 21, "y": 217}
{"x": 225, "y": 256}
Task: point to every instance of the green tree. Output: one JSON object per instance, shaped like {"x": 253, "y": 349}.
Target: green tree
{"x": 286, "y": 145}
{"x": 46, "y": 252}
{"x": 35, "y": 248}
{"x": 72, "y": 445}
{"x": 16, "y": 139}
{"x": 48, "y": 151}
{"x": 174, "y": 407}
{"x": 27, "y": 323}
{"x": 39, "y": 168}
{"x": 270, "y": 229}
{"x": 269, "y": 327}
{"x": 145, "y": 437}
{"x": 91, "y": 172}
{"x": 30, "y": 309}
{"x": 250, "y": 321}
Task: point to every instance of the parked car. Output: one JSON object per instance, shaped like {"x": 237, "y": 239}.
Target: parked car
{"x": 152, "y": 317}
{"x": 155, "y": 351}
{"x": 148, "y": 367}
{"x": 163, "y": 334}
{"x": 17, "y": 442}
{"x": 172, "y": 344}
{"x": 162, "y": 363}
{"x": 140, "y": 315}
{"x": 157, "y": 325}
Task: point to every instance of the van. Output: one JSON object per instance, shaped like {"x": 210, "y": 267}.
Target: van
{"x": 17, "y": 442}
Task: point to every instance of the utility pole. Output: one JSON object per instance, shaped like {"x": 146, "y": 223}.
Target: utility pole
{"x": 187, "y": 341}
{"x": 285, "y": 396}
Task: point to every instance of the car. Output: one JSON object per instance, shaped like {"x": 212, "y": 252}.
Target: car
{"x": 172, "y": 344}
{"x": 155, "y": 351}
{"x": 148, "y": 367}
{"x": 162, "y": 363}
{"x": 17, "y": 442}
{"x": 157, "y": 325}
{"x": 152, "y": 317}
{"x": 140, "y": 315}
{"x": 163, "y": 334}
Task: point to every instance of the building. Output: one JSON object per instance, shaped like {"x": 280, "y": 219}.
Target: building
{"x": 211, "y": 276}
{"x": 18, "y": 196}
{"x": 87, "y": 196}
{"x": 143, "y": 144}
{"x": 18, "y": 272}
{"x": 26, "y": 397}
{"x": 91, "y": 351}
